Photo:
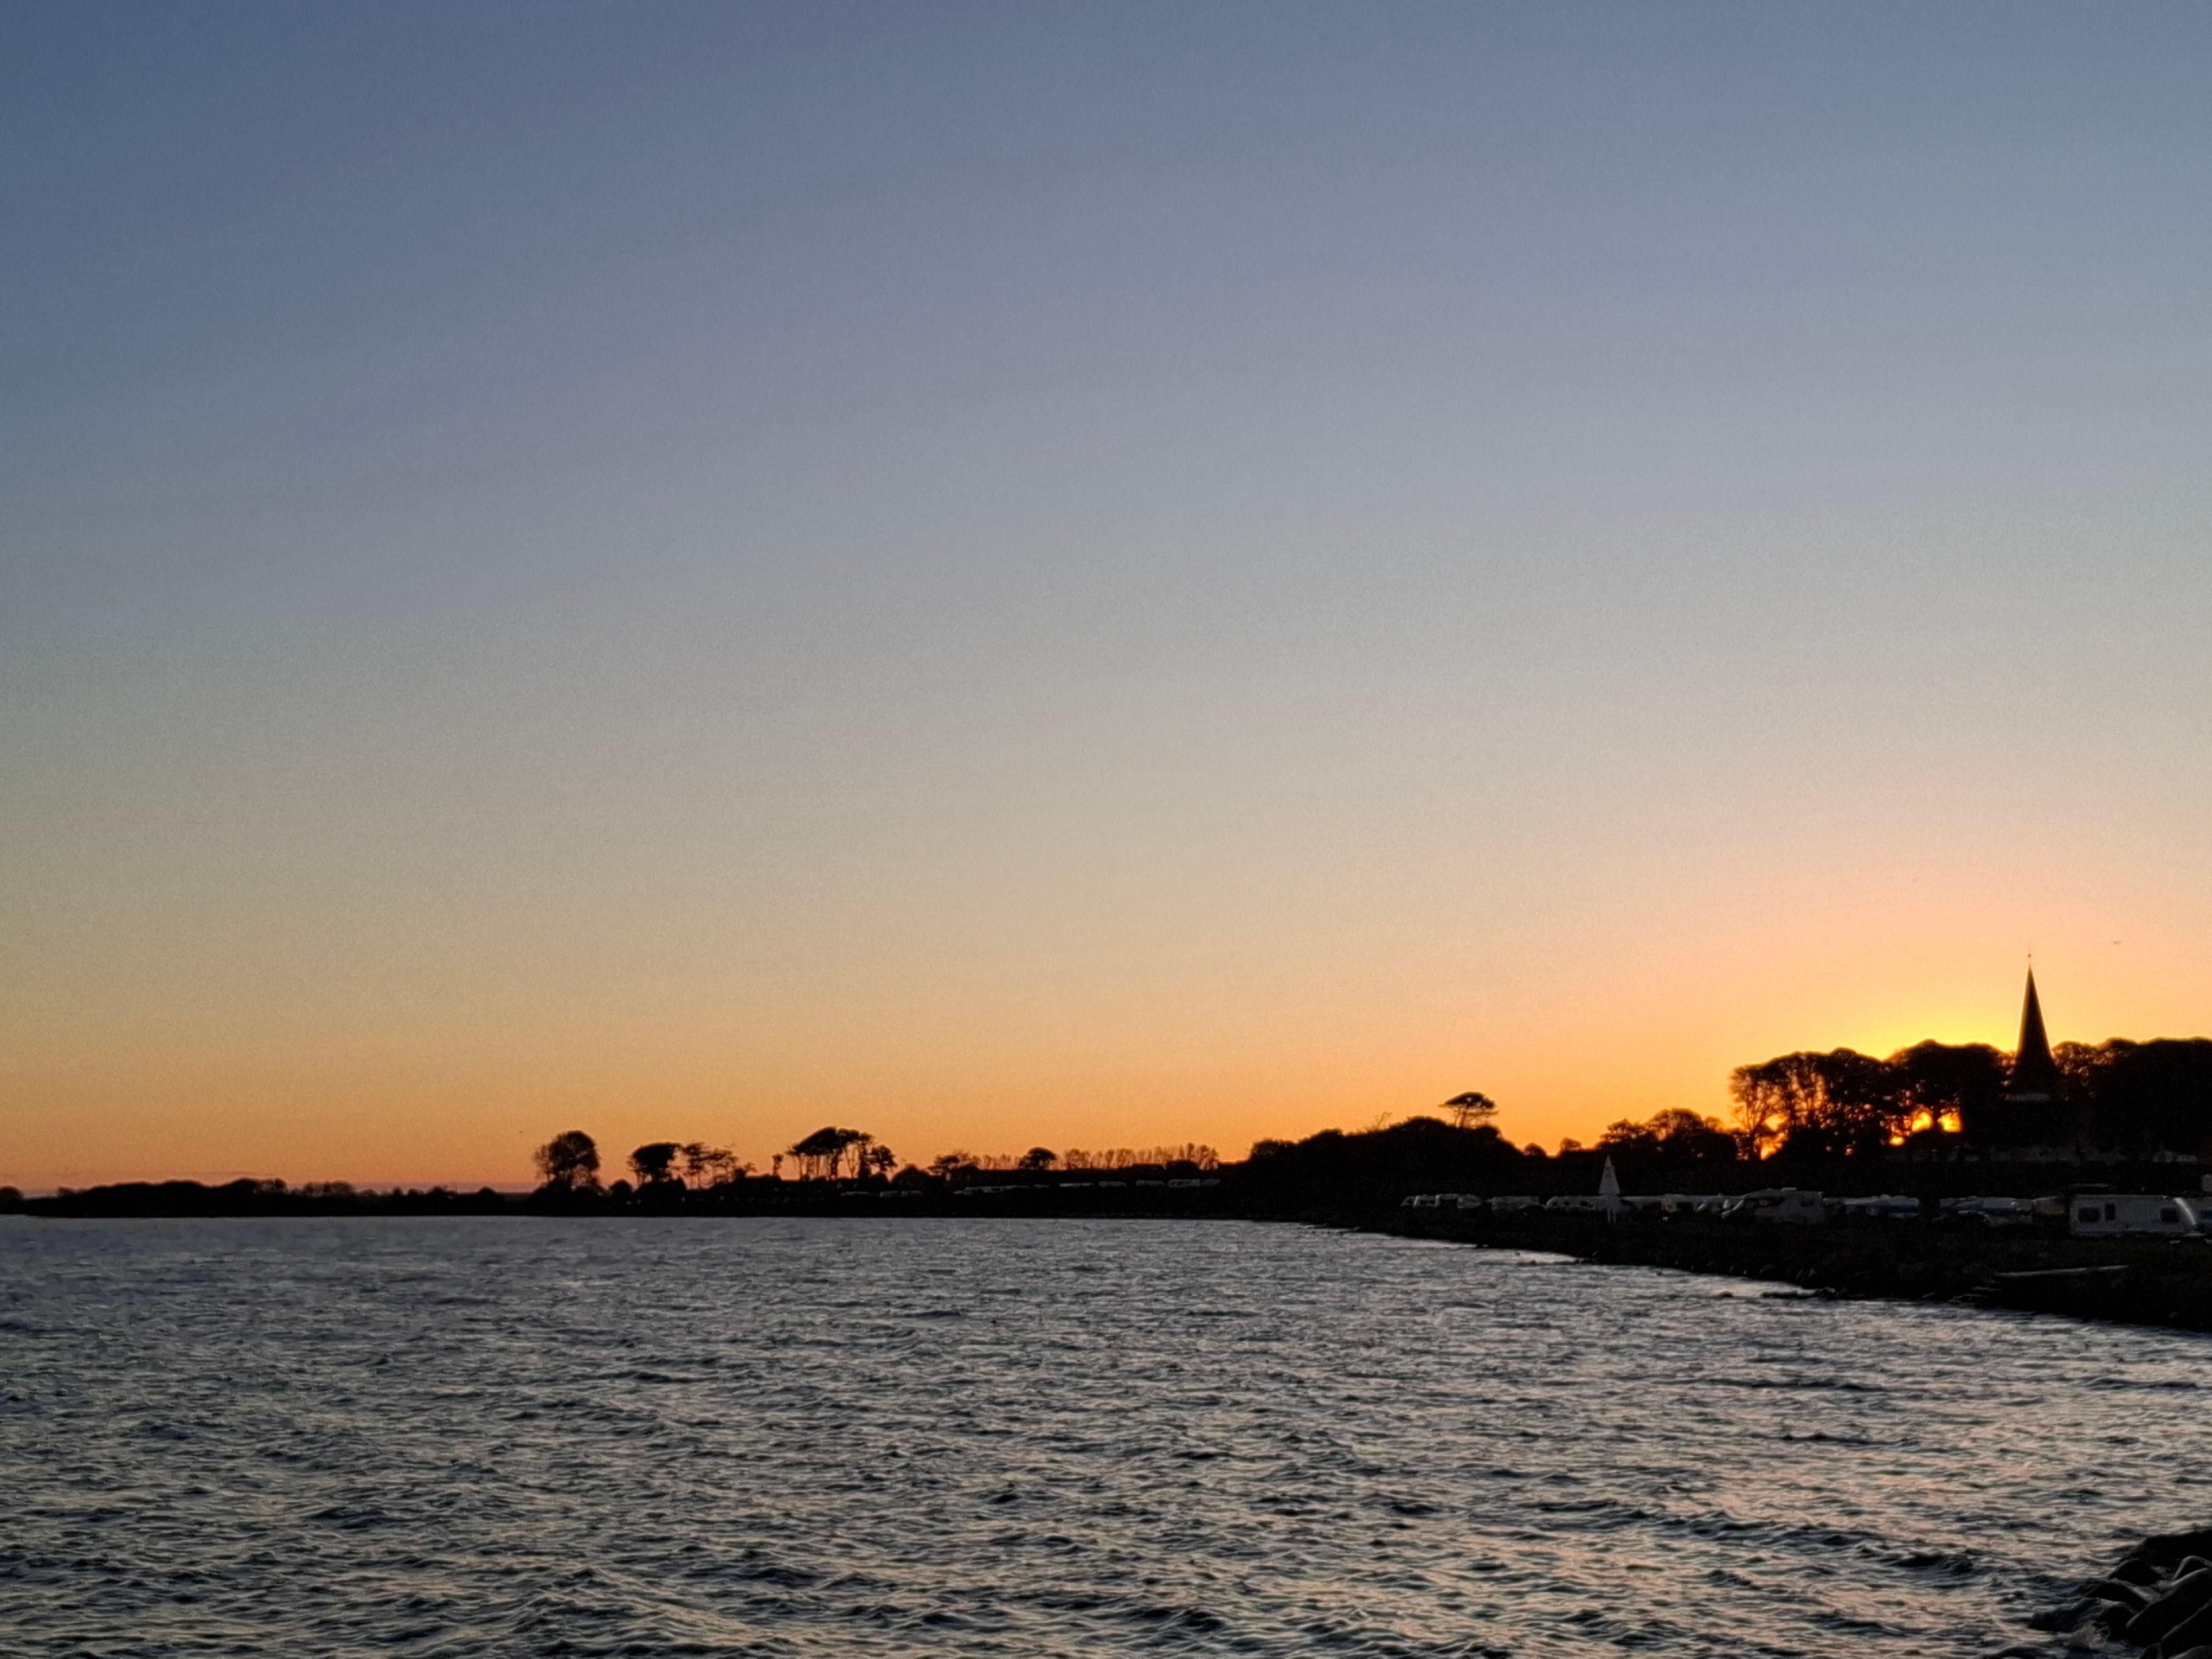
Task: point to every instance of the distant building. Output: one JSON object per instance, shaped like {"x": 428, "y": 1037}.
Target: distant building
{"x": 2034, "y": 1079}
{"x": 2121, "y": 1101}
{"x": 2037, "y": 1123}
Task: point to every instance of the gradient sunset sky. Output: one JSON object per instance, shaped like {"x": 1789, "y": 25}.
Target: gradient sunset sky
{"x": 1091, "y": 575}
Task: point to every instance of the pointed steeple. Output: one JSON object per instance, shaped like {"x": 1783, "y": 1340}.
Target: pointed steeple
{"x": 2034, "y": 1074}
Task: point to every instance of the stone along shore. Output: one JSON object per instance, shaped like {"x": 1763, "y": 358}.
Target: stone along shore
{"x": 2158, "y": 1598}
{"x": 2138, "y": 1281}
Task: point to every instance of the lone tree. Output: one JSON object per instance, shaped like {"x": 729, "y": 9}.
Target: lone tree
{"x": 1038, "y": 1157}
{"x": 1470, "y": 1110}
{"x": 655, "y": 1162}
{"x": 569, "y": 1162}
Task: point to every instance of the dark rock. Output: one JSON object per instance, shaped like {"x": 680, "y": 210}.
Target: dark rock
{"x": 2137, "y": 1569}
{"x": 2186, "y": 1596}
{"x": 2068, "y": 1617}
{"x": 2174, "y": 1546}
{"x": 2195, "y": 1631}
{"x": 2110, "y": 1617}
{"x": 2118, "y": 1589}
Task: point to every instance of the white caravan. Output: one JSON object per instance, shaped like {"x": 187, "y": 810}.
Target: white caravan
{"x": 1792, "y": 1206}
{"x": 2109, "y": 1215}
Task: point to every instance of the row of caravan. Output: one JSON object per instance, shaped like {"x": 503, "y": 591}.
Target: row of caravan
{"x": 2091, "y": 1214}
{"x": 1773, "y": 1204}
{"x": 2086, "y": 1214}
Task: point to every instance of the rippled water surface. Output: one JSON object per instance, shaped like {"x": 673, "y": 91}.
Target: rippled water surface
{"x": 506, "y": 1437}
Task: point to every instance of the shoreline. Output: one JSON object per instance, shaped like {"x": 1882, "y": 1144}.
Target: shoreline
{"x": 2156, "y": 1283}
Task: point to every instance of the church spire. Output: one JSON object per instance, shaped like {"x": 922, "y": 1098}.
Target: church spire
{"x": 2034, "y": 1074}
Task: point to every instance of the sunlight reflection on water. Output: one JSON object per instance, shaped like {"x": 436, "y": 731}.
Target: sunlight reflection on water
{"x": 494, "y": 1436}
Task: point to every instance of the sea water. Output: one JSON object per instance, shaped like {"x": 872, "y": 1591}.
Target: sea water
{"x": 503, "y": 1436}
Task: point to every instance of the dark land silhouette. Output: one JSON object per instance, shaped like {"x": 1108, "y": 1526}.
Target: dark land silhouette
{"x": 1359, "y": 1180}
{"x": 1932, "y": 1122}
{"x": 2158, "y": 1281}
{"x": 2113, "y": 1101}
{"x": 247, "y": 1197}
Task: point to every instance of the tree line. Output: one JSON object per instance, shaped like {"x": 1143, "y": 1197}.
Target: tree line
{"x": 570, "y": 1164}
{"x": 2136, "y": 1099}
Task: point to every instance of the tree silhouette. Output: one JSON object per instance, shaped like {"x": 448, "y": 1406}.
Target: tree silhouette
{"x": 822, "y": 1154}
{"x": 1949, "y": 1087}
{"x": 710, "y": 1166}
{"x": 1841, "y": 1101}
{"x": 1629, "y": 1138}
{"x": 1038, "y": 1157}
{"x": 1674, "y": 1133}
{"x": 2143, "y": 1097}
{"x": 655, "y": 1162}
{"x": 1470, "y": 1109}
{"x": 569, "y": 1161}
{"x": 1682, "y": 1133}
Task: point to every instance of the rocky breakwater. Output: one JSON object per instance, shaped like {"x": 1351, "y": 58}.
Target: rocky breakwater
{"x": 2158, "y": 1598}
{"x": 2133, "y": 1282}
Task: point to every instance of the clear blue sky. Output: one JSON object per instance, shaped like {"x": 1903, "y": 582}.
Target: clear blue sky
{"x": 1085, "y": 573}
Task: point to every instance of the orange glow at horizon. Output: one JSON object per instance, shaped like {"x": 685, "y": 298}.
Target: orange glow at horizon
{"x": 309, "y": 1091}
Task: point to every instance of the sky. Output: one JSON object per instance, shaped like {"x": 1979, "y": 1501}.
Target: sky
{"x": 1085, "y": 576}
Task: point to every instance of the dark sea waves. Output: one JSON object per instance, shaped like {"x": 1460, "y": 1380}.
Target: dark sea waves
{"x": 504, "y": 1436}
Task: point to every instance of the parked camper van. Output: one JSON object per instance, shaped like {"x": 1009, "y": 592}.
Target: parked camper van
{"x": 1892, "y": 1206}
{"x": 2109, "y": 1215}
{"x": 1793, "y": 1206}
